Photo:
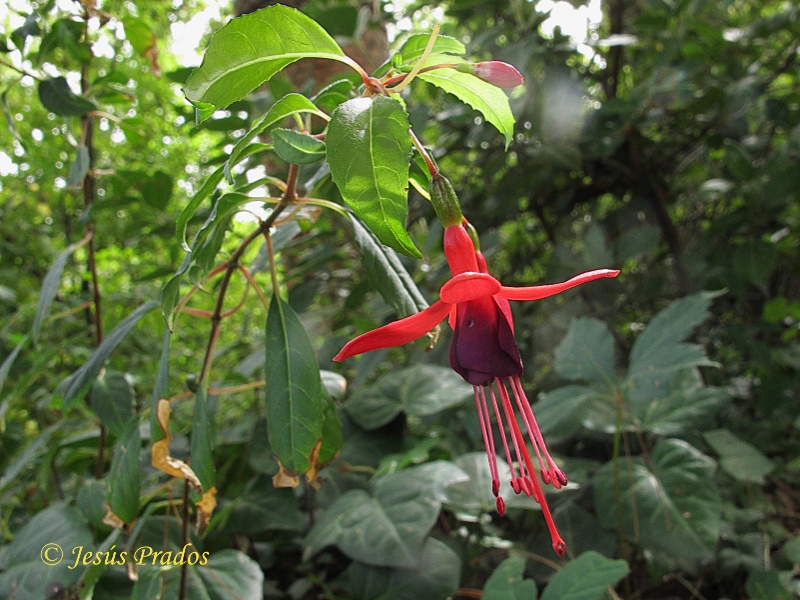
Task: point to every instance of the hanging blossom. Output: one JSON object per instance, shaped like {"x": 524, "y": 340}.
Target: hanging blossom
{"x": 484, "y": 352}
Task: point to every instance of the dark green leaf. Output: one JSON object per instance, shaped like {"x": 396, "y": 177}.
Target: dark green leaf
{"x": 29, "y": 28}
{"x": 586, "y": 353}
{"x": 679, "y": 411}
{"x": 49, "y": 290}
{"x": 767, "y": 585}
{"x": 5, "y": 368}
{"x": 386, "y": 272}
{"x": 293, "y": 389}
{"x": 331, "y": 431}
{"x": 675, "y": 509}
{"x": 156, "y": 190}
{"x": 202, "y": 440}
{"x": 739, "y": 459}
{"x": 507, "y": 582}
{"x": 31, "y": 452}
{"x": 76, "y": 385}
{"x": 263, "y": 507}
{"x": 585, "y": 578}
{"x": 250, "y": 49}
{"x": 56, "y": 96}
{"x": 561, "y": 413}
{"x": 474, "y": 495}
{"x": 295, "y": 147}
{"x": 112, "y": 400}
{"x": 23, "y": 574}
{"x": 124, "y": 478}
{"x": 419, "y": 391}
{"x": 368, "y": 151}
{"x": 436, "y": 577}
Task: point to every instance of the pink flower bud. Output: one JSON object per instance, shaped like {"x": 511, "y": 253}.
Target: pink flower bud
{"x": 500, "y": 74}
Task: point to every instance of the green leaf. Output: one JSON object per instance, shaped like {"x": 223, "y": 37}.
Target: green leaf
{"x": 79, "y": 167}
{"x": 739, "y": 459}
{"x": 28, "y": 29}
{"x": 679, "y": 411}
{"x": 293, "y": 390}
{"x": 209, "y": 185}
{"x": 250, "y": 49}
{"x": 414, "y": 47}
{"x": 474, "y": 495}
{"x": 290, "y": 104}
{"x": 112, "y": 400}
{"x": 160, "y": 386}
{"x": 386, "y": 272}
{"x": 124, "y": 478}
{"x": 263, "y": 507}
{"x": 295, "y": 147}
{"x": 420, "y": 391}
{"x": 49, "y": 290}
{"x": 76, "y": 385}
{"x": 436, "y": 577}
{"x": 23, "y": 574}
{"x": 331, "y": 430}
{"x": 675, "y": 508}
{"x": 56, "y": 96}
{"x": 767, "y": 585}
{"x": 389, "y": 526}
{"x": 202, "y": 440}
{"x": 487, "y": 99}
{"x": 368, "y": 151}
{"x": 29, "y": 455}
{"x": 5, "y": 368}
{"x": 139, "y": 34}
{"x": 792, "y": 550}
{"x": 561, "y": 413}
{"x": 156, "y": 190}
{"x": 585, "y": 578}
{"x": 507, "y": 583}
{"x": 658, "y": 356}
{"x": 586, "y": 353}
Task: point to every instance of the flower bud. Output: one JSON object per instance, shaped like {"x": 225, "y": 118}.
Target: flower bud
{"x": 498, "y": 73}
{"x": 444, "y": 200}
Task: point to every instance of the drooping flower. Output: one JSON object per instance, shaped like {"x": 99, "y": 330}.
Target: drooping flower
{"x": 484, "y": 352}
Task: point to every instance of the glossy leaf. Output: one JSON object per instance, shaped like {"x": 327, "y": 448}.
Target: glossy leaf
{"x": 250, "y": 49}
{"x": 676, "y": 510}
{"x": 124, "y": 478}
{"x": 738, "y": 458}
{"x": 487, "y": 99}
{"x": 293, "y": 391}
{"x": 112, "y": 400}
{"x": 436, "y": 577}
{"x": 420, "y": 391}
{"x": 585, "y": 578}
{"x": 586, "y": 353}
{"x": 56, "y": 96}
{"x": 413, "y": 48}
{"x": 507, "y": 582}
{"x": 368, "y": 152}
{"x": 296, "y": 147}
{"x": 386, "y": 272}
{"x": 76, "y": 385}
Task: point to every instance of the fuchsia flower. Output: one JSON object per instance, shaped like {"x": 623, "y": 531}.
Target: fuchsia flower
{"x": 484, "y": 352}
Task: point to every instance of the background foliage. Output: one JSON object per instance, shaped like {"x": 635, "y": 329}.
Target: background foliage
{"x": 667, "y": 147}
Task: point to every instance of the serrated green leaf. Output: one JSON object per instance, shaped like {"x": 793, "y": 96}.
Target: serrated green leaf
{"x": 386, "y": 272}
{"x": 368, "y": 151}
{"x": 679, "y": 411}
{"x": 507, "y": 582}
{"x": 585, "y": 578}
{"x": 293, "y": 390}
{"x": 124, "y": 477}
{"x": 676, "y": 511}
{"x": 420, "y": 390}
{"x": 296, "y": 147}
{"x": 288, "y": 105}
{"x": 24, "y": 574}
{"x": 586, "y": 353}
{"x": 487, "y": 99}
{"x": 741, "y": 460}
{"x": 250, "y": 49}
{"x": 76, "y": 385}
{"x": 436, "y": 577}
{"x": 112, "y": 400}
{"x": 414, "y": 47}
{"x": 202, "y": 442}
{"x": 56, "y": 96}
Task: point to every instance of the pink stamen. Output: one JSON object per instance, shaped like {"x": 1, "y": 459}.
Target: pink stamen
{"x": 486, "y": 432}
{"x": 522, "y": 402}
{"x": 535, "y": 432}
{"x": 502, "y": 435}
{"x": 501, "y": 509}
{"x": 516, "y": 435}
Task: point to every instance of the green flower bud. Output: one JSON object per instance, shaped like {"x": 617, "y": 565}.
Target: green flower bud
{"x": 444, "y": 200}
